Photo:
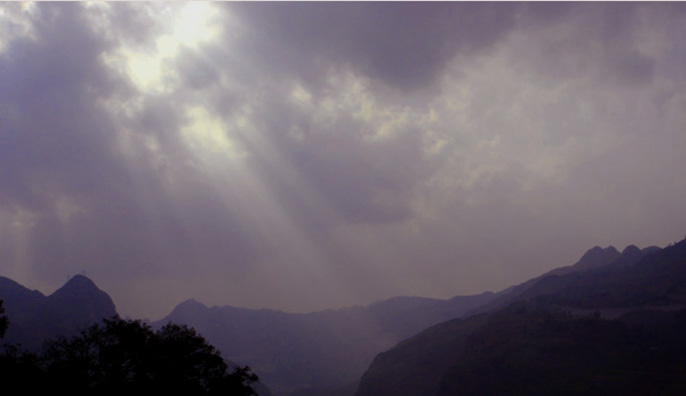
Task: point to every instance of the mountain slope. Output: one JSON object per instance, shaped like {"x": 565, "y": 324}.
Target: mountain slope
{"x": 543, "y": 344}
{"x": 22, "y": 301}
{"x": 416, "y": 365}
{"x": 529, "y": 352}
{"x": 595, "y": 259}
{"x": 658, "y": 278}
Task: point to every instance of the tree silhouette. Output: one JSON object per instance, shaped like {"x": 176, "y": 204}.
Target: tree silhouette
{"x": 4, "y": 322}
{"x": 128, "y": 357}
{"x": 17, "y": 366}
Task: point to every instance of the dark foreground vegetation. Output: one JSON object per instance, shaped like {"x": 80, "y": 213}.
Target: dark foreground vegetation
{"x": 124, "y": 357}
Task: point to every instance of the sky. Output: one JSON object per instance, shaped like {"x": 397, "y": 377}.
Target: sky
{"x": 303, "y": 156}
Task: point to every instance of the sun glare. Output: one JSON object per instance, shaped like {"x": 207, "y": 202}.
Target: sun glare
{"x": 193, "y": 24}
{"x": 196, "y": 22}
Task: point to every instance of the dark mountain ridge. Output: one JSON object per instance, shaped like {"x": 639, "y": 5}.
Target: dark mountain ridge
{"x": 550, "y": 336}
{"x": 595, "y": 259}
{"x": 22, "y": 300}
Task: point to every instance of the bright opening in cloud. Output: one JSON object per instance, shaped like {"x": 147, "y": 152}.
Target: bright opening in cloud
{"x": 152, "y": 70}
{"x": 15, "y": 21}
{"x": 207, "y": 134}
{"x": 195, "y": 23}
{"x": 303, "y": 157}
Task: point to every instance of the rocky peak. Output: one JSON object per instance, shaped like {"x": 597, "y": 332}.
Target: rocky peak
{"x": 597, "y": 257}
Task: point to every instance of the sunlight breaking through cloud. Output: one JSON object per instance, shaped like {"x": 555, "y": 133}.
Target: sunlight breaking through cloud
{"x": 152, "y": 69}
{"x": 310, "y": 155}
{"x": 208, "y": 134}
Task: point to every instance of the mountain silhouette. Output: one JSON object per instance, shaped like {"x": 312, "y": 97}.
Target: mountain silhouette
{"x": 298, "y": 354}
{"x": 35, "y": 317}
{"x": 430, "y": 347}
{"x": 594, "y": 259}
{"x": 611, "y": 328}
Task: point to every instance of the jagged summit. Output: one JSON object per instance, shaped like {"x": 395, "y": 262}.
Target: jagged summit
{"x": 77, "y": 283}
{"x": 191, "y": 303}
{"x": 81, "y": 300}
{"x": 630, "y": 256}
{"x": 597, "y": 257}
{"x": 631, "y": 249}
{"x": 188, "y": 308}
{"x": 35, "y": 317}
{"x": 651, "y": 249}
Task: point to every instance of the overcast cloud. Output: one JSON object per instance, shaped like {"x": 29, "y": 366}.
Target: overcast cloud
{"x": 303, "y": 156}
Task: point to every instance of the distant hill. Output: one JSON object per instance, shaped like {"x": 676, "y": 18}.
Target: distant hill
{"x": 35, "y": 317}
{"x": 319, "y": 353}
{"x": 554, "y": 336}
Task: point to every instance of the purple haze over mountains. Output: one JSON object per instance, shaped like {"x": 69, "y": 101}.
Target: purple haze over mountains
{"x": 302, "y": 156}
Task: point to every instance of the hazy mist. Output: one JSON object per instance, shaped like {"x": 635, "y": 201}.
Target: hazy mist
{"x": 302, "y": 156}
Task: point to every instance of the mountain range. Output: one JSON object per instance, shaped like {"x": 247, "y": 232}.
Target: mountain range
{"x": 332, "y": 348}
{"x": 432, "y": 347}
{"x": 292, "y": 353}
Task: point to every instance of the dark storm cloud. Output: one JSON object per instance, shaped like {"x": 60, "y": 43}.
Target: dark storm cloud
{"x": 598, "y": 40}
{"x": 56, "y": 142}
{"x": 197, "y": 70}
{"x": 62, "y": 163}
{"x": 43, "y": 90}
{"x": 362, "y": 181}
{"x": 404, "y": 44}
